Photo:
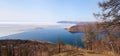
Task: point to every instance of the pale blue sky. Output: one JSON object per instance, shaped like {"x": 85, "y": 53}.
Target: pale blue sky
{"x": 47, "y": 10}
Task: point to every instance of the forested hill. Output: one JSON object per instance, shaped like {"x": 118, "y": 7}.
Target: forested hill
{"x": 25, "y": 48}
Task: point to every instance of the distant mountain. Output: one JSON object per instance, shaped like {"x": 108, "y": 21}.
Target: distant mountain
{"x": 75, "y": 22}
{"x": 68, "y": 22}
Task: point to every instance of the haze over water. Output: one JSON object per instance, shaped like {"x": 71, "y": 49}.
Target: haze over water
{"x": 7, "y": 28}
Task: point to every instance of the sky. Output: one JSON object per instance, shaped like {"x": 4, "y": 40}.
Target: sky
{"x": 48, "y": 10}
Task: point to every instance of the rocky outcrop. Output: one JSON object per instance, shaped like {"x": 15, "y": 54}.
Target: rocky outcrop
{"x": 81, "y": 27}
{"x": 76, "y": 28}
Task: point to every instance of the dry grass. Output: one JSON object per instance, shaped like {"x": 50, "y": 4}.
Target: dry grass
{"x": 83, "y": 52}
{"x": 110, "y": 53}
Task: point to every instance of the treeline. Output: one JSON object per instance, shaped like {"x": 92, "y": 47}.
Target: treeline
{"x": 100, "y": 37}
{"x": 100, "y": 40}
{"x": 32, "y": 48}
{"x": 25, "y": 48}
{"x": 103, "y": 36}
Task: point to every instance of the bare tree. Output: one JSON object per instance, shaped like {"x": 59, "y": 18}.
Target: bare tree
{"x": 110, "y": 15}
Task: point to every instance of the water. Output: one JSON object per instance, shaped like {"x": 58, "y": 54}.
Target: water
{"x": 51, "y": 35}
